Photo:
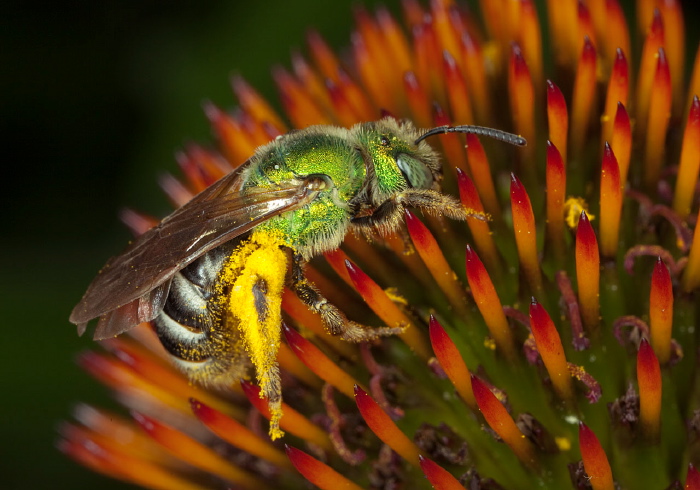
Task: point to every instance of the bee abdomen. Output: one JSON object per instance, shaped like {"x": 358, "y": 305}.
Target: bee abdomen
{"x": 181, "y": 340}
{"x": 189, "y": 327}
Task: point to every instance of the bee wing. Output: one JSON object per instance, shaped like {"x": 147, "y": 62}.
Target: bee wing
{"x": 132, "y": 287}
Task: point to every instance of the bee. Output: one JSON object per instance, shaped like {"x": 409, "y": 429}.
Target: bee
{"x": 210, "y": 275}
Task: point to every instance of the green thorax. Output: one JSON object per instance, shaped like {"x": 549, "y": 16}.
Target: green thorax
{"x": 325, "y": 150}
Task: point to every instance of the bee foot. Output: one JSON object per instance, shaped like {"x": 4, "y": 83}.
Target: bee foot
{"x": 275, "y": 407}
{"x": 354, "y": 332}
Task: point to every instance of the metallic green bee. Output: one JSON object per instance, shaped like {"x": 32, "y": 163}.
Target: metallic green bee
{"x": 211, "y": 274}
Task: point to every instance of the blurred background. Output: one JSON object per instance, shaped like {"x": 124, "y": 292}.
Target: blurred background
{"x": 95, "y": 99}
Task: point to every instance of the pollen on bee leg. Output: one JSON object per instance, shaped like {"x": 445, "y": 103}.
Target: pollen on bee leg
{"x": 256, "y": 272}
{"x": 292, "y": 421}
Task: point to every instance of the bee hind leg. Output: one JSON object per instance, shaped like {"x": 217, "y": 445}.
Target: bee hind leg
{"x": 334, "y": 320}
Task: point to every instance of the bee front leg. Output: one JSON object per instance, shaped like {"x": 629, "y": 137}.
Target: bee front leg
{"x": 388, "y": 215}
{"x": 335, "y": 322}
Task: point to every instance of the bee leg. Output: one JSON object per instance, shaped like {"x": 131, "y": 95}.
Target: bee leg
{"x": 389, "y": 214}
{"x": 408, "y": 247}
{"x": 335, "y": 322}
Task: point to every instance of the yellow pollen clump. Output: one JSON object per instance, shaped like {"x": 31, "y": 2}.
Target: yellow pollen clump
{"x": 563, "y": 443}
{"x": 572, "y": 211}
{"x": 490, "y": 344}
{"x": 255, "y": 273}
{"x": 395, "y": 296}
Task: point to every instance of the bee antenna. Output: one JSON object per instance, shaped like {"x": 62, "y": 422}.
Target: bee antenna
{"x": 504, "y": 136}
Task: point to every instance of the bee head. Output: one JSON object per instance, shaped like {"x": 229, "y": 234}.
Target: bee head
{"x": 398, "y": 160}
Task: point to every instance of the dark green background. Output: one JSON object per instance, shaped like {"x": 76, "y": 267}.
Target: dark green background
{"x": 95, "y": 98}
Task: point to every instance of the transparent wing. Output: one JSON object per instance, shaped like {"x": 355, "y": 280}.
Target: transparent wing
{"x": 132, "y": 287}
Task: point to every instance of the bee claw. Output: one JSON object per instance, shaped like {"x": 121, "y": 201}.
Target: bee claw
{"x": 355, "y": 332}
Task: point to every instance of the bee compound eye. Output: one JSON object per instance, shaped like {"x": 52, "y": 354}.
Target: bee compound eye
{"x": 416, "y": 173}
